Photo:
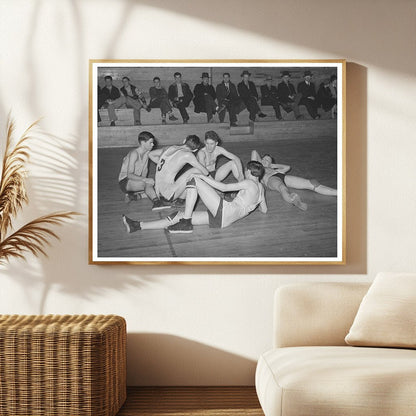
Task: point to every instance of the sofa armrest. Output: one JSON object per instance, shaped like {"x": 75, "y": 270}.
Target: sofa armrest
{"x": 315, "y": 313}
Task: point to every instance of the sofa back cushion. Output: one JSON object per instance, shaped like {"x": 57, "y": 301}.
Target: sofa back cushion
{"x": 309, "y": 314}
{"x": 387, "y": 314}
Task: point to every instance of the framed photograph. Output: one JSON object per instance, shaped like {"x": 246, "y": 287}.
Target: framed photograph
{"x": 217, "y": 162}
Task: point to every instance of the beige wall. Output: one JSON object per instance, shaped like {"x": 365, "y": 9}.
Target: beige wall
{"x": 205, "y": 325}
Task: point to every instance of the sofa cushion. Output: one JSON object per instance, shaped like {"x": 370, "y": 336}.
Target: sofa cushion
{"x": 387, "y": 314}
{"x": 341, "y": 381}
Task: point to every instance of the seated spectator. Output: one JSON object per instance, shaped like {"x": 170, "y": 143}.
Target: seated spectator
{"x": 180, "y": 95}
{"x": 159, "y": 99}
{"x": 228, "y": 100}
{"x": 134, "y": 98}
{"x": 249, "y": 95}
{"x": 269, "y": 96}
{"x": 100, "y": 102}
{"x": 110, "y": 98}
{"x": 324, "y": 97}
{"x": 287, "y": 95}
{"x": 306, "y": 89}
{"x": 333, "y": 88}
{"x": 204, "y": 98}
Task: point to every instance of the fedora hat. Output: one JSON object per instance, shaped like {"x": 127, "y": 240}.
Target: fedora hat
{"x": 205, "y": 75}
{"x": 245, "y": 72}
{"x": 307, "y": 73}
{"x": 285, "y": 74}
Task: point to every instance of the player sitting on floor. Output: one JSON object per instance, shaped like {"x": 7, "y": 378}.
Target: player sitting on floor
{"x": 169, "y": 162}
{"x": 133, "y": 178}
{"x": 276, "y": 179}
{"x": 221, "y": 213}
{"x": 209, "y": 154}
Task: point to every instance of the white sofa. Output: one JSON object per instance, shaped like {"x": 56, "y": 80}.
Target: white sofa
{"x": 311, "y": 371}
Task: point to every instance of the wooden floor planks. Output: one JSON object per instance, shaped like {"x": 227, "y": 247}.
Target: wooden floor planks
{"x": 284, "y": 231}
{"x": 191, "y": 401}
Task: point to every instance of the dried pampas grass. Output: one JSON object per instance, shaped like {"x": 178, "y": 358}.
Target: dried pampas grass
{"x": 34, "y": 236}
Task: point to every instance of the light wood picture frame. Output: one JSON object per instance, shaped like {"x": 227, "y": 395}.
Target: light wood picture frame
{"x": 299, "y": 134}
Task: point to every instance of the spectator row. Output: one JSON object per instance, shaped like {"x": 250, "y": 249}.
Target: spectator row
{"x": 225, "y": 97}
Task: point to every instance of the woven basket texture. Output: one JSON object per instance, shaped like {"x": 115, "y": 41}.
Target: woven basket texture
{"x": 53, "y": 365}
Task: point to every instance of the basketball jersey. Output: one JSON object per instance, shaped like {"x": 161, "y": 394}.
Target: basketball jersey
{"x": 210, "y": 162}
{"x": 163, "y": 176}
{"x": 138, "y": 166}
{"x": 237, "y": 208}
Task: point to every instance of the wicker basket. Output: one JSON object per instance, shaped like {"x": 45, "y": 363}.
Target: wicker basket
{"x": 71, "y": 365}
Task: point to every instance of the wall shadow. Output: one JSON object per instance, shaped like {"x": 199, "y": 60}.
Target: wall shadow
{"x": 335, "y": 27}
{"x": 168, "y": 360}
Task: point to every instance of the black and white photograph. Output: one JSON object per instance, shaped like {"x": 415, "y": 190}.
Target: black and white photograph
{"x": 211, "y": 162}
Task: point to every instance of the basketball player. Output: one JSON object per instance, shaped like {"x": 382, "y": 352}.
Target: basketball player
{"x": 133, "y": 178}
{"x": 209, "y": 154}
{"x": 169, "y": 162}
{"x": 221, "y": 213}
{"x": 276, "y": 179}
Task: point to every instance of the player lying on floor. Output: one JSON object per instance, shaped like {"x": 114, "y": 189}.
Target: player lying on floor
{"x": 209, "y": 154}
{"x": 276, "y": 179}
{"x": 220, "y": 213}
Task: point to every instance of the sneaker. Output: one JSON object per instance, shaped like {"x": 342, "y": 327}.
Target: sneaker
{"x": 131, "y": 225}
{"x": 148, "y": 109}
{"x": 159, "y": 204}
{"x": 179, "y": 203}
{"x": 262, "y": 115}
{"x": 113, "y": 124}
{"x": 184, "y": 226}
{"x": 172, "y": 118}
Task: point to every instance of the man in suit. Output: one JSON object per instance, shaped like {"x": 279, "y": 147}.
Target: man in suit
{"x": 134, "y": 98}
{"x": 204, "y": 98}
{"x": 228, "y": 99}
{"x": 249, "y": 95}
{"x": 269, "y": 96}
{"x": 111, "y": 99}
{"x": 306, "y": 89}
{"x": 287, "y": 95}
{"x": 325, "y": 97}
{"x": 180, "y": 95}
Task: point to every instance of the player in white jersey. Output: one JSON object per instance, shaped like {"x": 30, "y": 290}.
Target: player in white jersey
{"x": 133, "y": 178}
{"x": 220, "y": 213}
{"x": 169, "y": 163}
{"x": 276, "y": 179}
{"x": 209, "y": 154}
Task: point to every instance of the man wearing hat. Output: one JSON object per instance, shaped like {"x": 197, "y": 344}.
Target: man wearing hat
{"x": 306, "y": 89}
{"x": 248, "y": 93}
{"x": 204, "y": 98}
{"x": 269, "y": 96}
{"x": 180, "y": 95}
{"x": 325, "y": 97}
{"x": 287, "y": 95}
{"x": 228, "y": 99}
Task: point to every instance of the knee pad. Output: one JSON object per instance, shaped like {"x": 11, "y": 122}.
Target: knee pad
{"x": 315, "y": 183}
{"x": 191, "y": 183}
